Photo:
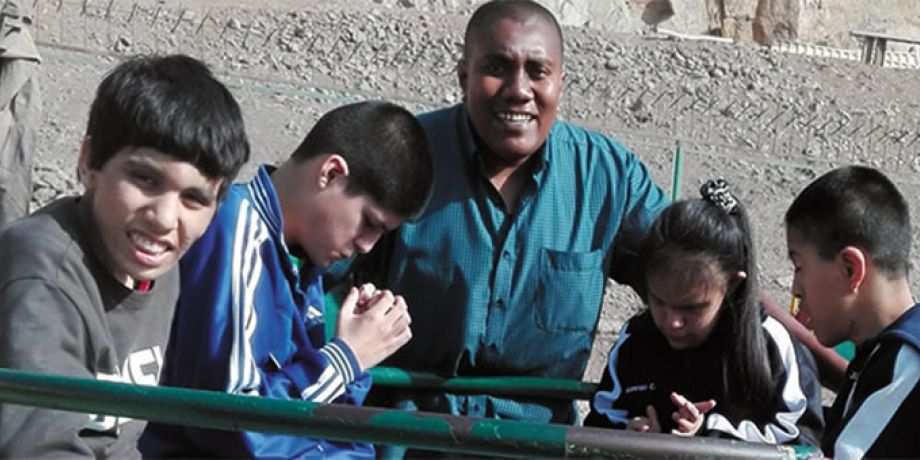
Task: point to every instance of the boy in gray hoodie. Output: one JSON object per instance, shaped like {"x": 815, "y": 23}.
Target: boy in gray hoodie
{"x": 88, "y": 286}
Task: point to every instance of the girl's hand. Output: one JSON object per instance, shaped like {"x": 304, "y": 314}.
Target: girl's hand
{"x": 689, "y": 416}
{"x": 647, "y": 424}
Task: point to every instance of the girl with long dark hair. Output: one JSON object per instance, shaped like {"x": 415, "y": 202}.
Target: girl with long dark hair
{"x": 704, "y": 358}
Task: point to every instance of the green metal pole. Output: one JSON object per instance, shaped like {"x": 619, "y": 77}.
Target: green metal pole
{"x": 677, "y": 173}
{"x": 505, "y": 386}
{"x": 348, "y": 423}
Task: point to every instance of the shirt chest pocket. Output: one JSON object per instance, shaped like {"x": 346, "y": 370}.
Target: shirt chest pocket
{"x": 568, "y": 294}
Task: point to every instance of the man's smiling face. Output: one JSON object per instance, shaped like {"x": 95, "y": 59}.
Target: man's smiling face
{"x": 512, "y": 83}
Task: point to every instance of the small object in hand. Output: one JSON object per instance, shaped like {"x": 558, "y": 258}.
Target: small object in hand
{"x": 366, "y": 294}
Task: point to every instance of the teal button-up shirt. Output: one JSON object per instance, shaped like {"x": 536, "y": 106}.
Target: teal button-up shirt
{"x": 493, "y": 293}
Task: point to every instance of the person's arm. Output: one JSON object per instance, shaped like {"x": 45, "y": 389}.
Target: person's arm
{"x": 885, "y": 423}
{"x": 811, "y": 424}
{"x": 609, "y": 405}
{"x": 219, "y": 342}
{"x": 797, "y": 414}
{"x": 41, "y": 330}
{"x": 643, "y": 201}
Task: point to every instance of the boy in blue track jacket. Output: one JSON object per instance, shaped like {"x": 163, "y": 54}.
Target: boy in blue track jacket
{"x": 250, "y": 321}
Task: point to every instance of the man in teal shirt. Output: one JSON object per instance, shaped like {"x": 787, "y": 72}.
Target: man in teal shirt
{"x": 504, "y": 273}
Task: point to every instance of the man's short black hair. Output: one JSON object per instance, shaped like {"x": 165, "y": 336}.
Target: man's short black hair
{"x": 490, "y": 12}
{"x": 172, "y": 104}
{"x": 386, "y": 150}
{"x": 855, "y": 206}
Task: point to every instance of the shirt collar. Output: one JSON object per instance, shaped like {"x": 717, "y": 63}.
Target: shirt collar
{"x": 265, "y": 200}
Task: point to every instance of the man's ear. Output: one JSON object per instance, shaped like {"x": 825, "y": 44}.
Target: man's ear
{"x": 854, "y": 262}
{"x": 462, "y": 75}
{"x": 85, "y": 173}
{"x": 332, "y": 168}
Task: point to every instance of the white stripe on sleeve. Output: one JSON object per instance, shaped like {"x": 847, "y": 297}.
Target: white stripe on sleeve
{"x": 603, "y": 400}
{"x": 870, "y": 420}
{"x": 785, "y": 429}
{"x": 249, "y": 234}
{"x": 328, "y": 387}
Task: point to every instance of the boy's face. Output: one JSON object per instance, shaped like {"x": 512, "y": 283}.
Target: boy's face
{"x": 686, "y": 308}
{"x": 329, "y": 224}
{"x": 821, "y": 286}
{"x": 148, "y": 209}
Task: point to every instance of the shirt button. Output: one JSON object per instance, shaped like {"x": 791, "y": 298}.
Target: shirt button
{"x": 506, "y": 254}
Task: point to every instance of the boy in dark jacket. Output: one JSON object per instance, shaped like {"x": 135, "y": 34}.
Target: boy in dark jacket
{"x": 849, "y": 239}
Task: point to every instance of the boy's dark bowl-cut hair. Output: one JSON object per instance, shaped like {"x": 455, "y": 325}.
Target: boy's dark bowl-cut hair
{"x": 855, "y": 206}
{"x": 172, "y": 104}
{"x": 386, "y": 150}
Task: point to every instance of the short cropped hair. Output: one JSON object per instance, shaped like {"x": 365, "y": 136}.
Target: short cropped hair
{"x": 490, "y": 12}
{"x": 386, "y": 149}
{"x": 172, "y": 104}
{"x": 855, "y": 206}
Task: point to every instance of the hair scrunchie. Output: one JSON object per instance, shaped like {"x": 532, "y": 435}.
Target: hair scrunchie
{"x": 716, "y": 192}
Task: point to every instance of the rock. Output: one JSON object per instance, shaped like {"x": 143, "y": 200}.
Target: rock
{"x": 657, "y": 11}
{"x": 289, "y": 46}
{"x": 776, "y": 21}
{"x": 122, "y": 45}
{"x": 611, "y": 15}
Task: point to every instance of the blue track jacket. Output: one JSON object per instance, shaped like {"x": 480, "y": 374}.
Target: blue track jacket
{"x": 250, "y": 323}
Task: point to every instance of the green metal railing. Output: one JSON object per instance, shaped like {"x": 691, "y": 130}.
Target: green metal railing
{"x": 534, "y": 387}
{"x": 348, "y": 423}
{"x": 521, "y": 386}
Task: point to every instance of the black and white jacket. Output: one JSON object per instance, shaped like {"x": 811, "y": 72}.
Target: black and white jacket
{"x": 642, "y": 369}
{"x": 877, "y": 412}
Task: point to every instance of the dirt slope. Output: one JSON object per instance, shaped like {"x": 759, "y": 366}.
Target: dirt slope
{"x": 767, "y": 122}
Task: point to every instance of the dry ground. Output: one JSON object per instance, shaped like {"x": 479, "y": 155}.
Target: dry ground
{"x": 767, "y": 122}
